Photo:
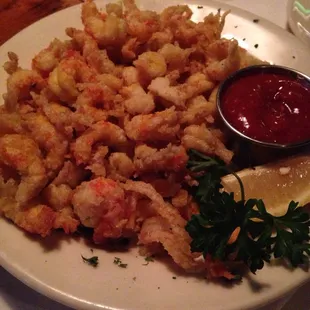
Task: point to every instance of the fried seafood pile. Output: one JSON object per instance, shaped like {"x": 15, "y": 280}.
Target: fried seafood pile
{"x": 97, "y": 132}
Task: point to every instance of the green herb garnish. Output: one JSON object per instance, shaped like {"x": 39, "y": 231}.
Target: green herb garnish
{"x": 230, "y": 230}
{"x": 93, "y": 261}
{"x": 117, "y": 261}
{"x": 148, "y": 259}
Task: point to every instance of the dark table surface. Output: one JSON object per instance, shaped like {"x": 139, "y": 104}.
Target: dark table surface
{"x": 15, "y": 15}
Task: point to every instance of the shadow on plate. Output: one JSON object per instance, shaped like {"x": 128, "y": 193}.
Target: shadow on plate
{"x": 49, "y": 243}
{"x": 53, "y": 242}
{"x": 256, "y": 286}
{"x": 287, "y": 266}
{"x": 18, "y": 296}
{"x": 58, "y": 238}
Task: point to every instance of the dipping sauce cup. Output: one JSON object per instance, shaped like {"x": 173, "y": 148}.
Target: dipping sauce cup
{"x": 267, "y": 106}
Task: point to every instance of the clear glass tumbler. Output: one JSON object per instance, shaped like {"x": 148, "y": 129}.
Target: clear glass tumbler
{"x": 298, "y": 12}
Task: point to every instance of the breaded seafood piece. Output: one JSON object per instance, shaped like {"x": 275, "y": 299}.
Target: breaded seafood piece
{"x": 223, "y": 59}
{"x": 49, "y": 139}
{"x": 11, "y": 65}
{"x": 34, "y": 218}
{"x": 100, "y": 204}
{"x": 109, "y": 30}
{"x": 140, "y": 24}
{"x": 70, "y": 174}
{"x": 162, "y": 126}
{"x": 23, "y": 154}
{"x": 97, "y": 163}
{"x": 137, "y": 100}
{"x": 120, "y": 167}
{"x": 175, "y": 57}
{"x": 199, "y": 111}
{"x": 168, "y": 228}
{"x": 19, "y": 85}
{"x": 95, "y": 57}
{"x": 105, "y": 132}
{"x": 59, "y": 197}
{"x": 171, "y": 158}
{"x": 48, "y": 59}
{"x": 151, "y": 65}
{"x": 64, "y": 78}
{"x": 177, "y": 95}
{"x": 200, "y": 138}
{"x": 10, "y": 123}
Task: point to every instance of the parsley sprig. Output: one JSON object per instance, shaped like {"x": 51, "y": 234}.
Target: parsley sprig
{"x": 230, "y": 230}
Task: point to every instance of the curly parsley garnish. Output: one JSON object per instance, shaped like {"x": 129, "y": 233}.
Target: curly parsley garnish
{"x": 230, "y": 230}
{"x": 93, "y": 261}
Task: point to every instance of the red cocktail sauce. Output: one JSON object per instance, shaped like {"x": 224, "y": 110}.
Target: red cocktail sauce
{"x": 268, "y": 107}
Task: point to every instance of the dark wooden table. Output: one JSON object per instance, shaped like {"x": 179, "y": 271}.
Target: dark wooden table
{"x": 18, "y": 14}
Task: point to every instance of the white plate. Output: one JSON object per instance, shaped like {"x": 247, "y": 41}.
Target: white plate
{"x": 54, "y": 266}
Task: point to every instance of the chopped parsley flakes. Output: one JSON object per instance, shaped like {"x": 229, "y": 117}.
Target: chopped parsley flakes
{"x": 148, "y": 259}
{"x": 93, "y": 261}
{"x": 117, "y": 261}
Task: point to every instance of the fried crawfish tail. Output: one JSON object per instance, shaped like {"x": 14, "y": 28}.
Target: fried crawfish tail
{"x": 23, "y": 154}
{"x": 100, "y": 203}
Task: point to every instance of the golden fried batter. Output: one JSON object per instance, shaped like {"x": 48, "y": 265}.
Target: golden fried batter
{"x": 97, "y": 133}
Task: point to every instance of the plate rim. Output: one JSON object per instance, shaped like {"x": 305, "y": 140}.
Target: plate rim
{"x": 69, "y": 300}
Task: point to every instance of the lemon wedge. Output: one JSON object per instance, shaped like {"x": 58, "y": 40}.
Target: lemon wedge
{"x": 276, "y": 183}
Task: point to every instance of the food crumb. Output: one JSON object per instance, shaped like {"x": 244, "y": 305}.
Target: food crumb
{"x": 284, "y": 170}
{"x": 256, "y": 20}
